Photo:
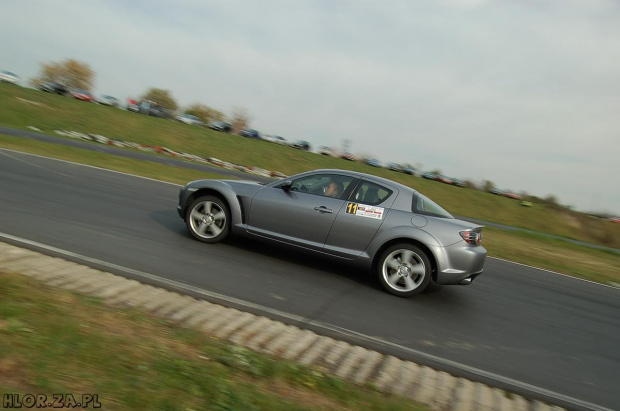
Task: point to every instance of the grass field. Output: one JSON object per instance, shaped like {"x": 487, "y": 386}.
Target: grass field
{"x": 59, "y": 342}
{"x": 21, "y": 107}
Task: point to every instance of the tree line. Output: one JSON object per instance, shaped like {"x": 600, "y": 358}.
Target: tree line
{"x": 75, "y": 74}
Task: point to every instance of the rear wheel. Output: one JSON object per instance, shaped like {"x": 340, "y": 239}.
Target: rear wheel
{"x": 404, "y": 270}
{"x": 208, "y": 219}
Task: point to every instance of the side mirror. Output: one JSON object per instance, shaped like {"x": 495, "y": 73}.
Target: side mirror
{"x": 287, "y": 185}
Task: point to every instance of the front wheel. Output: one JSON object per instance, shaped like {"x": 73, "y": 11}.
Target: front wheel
{"x": 208, "y": 219}
{"x": 404, "y": 270}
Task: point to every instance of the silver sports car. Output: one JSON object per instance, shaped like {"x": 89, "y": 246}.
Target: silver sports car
{"x": 395, "y": 231}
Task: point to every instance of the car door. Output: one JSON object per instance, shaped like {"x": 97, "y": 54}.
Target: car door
{"x": 359, "y": 220}
{"x": 301, "y": 214}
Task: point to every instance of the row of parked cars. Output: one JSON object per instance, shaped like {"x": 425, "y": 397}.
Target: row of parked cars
{"x": 58, "y": 88}
{"x": 153, "y": 109}
{"x": 509, "y": 194}
{"x": 444, "y": 179}
{"x": 80, "y": 94}
{"x": 255, "y": 134}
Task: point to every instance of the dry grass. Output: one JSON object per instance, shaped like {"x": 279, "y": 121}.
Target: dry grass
{"x": 555, "y": 255}
{"x": 56, "y": 341}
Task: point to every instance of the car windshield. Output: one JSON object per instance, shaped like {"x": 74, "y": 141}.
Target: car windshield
{"x": 424, "y": 205}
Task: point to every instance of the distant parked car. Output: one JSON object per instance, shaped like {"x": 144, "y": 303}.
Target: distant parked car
{"x": 83, "y": 95}
{"x": 457, "y": 182}
{"x": 8, "y": 77}
{"x": 395, "y": 167}
{"x": 444, "y": 179}
{"x": 348, "y": 156}
{"x": 53, "y": 87}
{"x": 108, "y": 100}
{"x": 220, "y": 126}
{"x": 513, "y": 196}
{"x": 409, "y": 170}
{"x": 496, "y": 191}
{"x": 190, "y": 119}
{"x": 614, "y": 219}
{"x": 373, "y": 162}
{"x": 429, "y": 176}
{"x": 301, "y": 145}
{"x": 276, "y": 139}
{"x": 161, "y": 112}
{"x": 151, "y": 108}
{"x": 250, "y": 133}
{"x": 326, "y": 151}
{"x": 133, "y": 105}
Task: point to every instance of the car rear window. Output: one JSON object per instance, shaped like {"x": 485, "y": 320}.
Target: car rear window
{"x": 424, "y": 205}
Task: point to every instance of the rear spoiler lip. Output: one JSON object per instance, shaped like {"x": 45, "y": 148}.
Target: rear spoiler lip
{"x": 469, "y": 225}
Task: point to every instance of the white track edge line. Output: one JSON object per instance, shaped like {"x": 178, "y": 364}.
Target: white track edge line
{"x": 95, "y": 167}
{"x": 553, "y": 272}
{"x": 179, "y": 185}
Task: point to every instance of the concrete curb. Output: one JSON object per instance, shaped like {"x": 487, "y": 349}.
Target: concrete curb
{"x": 437, "y": 389}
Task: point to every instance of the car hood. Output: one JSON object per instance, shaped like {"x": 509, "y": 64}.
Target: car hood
{"x": 244, "y": 184}
{"x": 237, "y": 187}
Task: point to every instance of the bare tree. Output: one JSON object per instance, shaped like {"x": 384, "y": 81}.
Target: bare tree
{"x": 161, "y": 97}
{"x": 70, "y": 73}
{"x": 487, "y": 185}
{"x": 240, "y": 119}
{"x": 205, "y": 112}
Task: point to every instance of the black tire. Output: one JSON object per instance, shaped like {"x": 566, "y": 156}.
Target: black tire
{"x": 404, "y": 270}
{"x": 208, "y": 219}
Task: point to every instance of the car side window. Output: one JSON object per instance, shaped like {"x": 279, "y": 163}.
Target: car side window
{"x": 370, "y": 193}
{"x": 327, "y": 185}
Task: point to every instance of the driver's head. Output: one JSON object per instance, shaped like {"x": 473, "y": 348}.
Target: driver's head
{"x": 334, "y": 189}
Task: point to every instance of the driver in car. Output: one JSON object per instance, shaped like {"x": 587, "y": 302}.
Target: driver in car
{"x": 334, "y": 189}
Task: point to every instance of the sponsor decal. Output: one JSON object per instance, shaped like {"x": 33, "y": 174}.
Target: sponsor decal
{"x": 363, "y": 210}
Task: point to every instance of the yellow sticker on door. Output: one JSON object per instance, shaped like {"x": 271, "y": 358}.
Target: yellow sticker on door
{"x": 363, "y": 210}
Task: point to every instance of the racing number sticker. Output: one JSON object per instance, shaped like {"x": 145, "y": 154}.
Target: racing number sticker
{"x": 365, "y": 210}
{"x": 352, "y": 208}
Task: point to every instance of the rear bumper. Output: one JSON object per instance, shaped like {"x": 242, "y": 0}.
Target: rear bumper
{"x": 459, "y": 263}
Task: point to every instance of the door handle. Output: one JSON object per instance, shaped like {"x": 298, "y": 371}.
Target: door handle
{"x": 323, "y": 209}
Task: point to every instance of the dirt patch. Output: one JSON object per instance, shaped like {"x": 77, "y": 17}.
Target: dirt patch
{"x": 300, "y": 396}
{"x": 13, "y": 375}
{"x": 572, "y": 221}
{"x": 34, "y": 103}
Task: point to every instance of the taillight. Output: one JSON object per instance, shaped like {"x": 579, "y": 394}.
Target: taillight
{"x": 471, "y": 237}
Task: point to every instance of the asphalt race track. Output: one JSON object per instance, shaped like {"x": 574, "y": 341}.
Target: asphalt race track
{"x": 523, "y": 324}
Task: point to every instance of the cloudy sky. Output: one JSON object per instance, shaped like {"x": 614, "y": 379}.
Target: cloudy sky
{"x": 525, "y": 93}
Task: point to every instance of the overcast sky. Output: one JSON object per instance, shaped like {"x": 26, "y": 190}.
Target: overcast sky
{"x": 525, "y": 93}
